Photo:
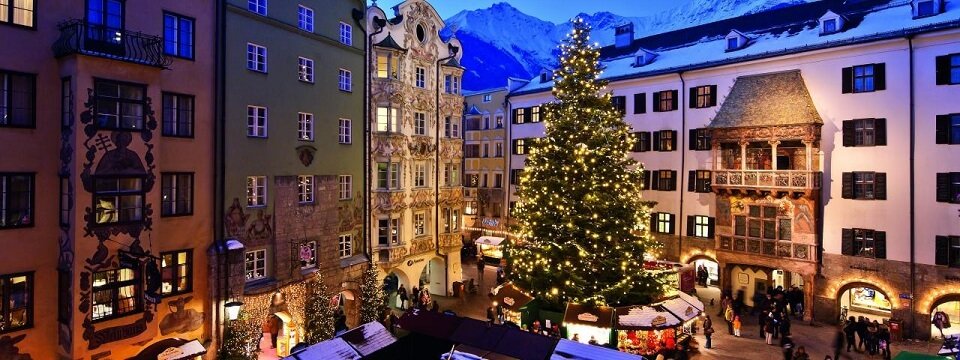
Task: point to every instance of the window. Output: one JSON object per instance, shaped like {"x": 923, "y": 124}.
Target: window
{"x": 305, "y": 69}
{"x": 497, "y": 181}
{"x": 699, "y": 181}
{"x": 864, "y": 243}
{"x": 666, "y": 180}
{"x": 864, "y": 186}
{"x": 387, "y": 119}
{"x": 665, "y": 100}
{"x": 948, "y": 251}
{"x": 451, "y": 128}
{"x": 178, "y": 115}
{"x": 388, "y": 231}
{"x": 118, "y": 199}
{"x": 16, "y": 296}
{"x": 176, "y": 194}
{"x": 662, "y": 223}
{"x": 255, "y": 264}
{"x": 700, "y": 139}
{"x": 345, "y": 183}
{"x": 105, "y": 23}
{"x": 864, "y": 132}
{"x": 451, "y": 84}
{"x": 256, "y": 121}
{"x": 119, "y": 105}
{"x": 66, "y": 104}
{"x": 732, "y": 43}
{"x": 451, "y": 220}
{"x": 520, "y": 146}
{"x": 640, "y": 103}
{"x": 116, "y": 293}
{"x": 948, "y": 187}
{"x": 18, "y": 94}
{"x": 257, "y": 6}
{"x": 305, "y": 126}
{"x": 305, "y": 18}
{"x": 451, "y": 175}
{"x": 829, "y": 26}
{"x": 256, "y": 191}
{"x": 344, "y": 81}
{"x": 420, "y": 174}
{"x": 948, "y": 129}
{"x": 519, "y": 115}
{"x": 421, "y": 77}
{"x": 703, "y": 96}
{"x": 419, "y": 123}
{"x": 740, "y": 226}
{"x": 388, "y": 176}
{"x": 177, "y": 35}
{"x": 388, "y": 66}
{"x": 305, "y": 194}
{"x": 619, "y": 104}
{"x": 16, "y": 200}
{"x": 487, "y": 98}
{"x": 664, "y": 140}
{"x": 308, "y": 255}
{"x": 641, "y": 141}
{"x": 176, "y": 269}
{"x": 498, "y": 120}
{"x": 346, "y": 34}
{"x": 498, "y": 149}
{"x": 948, "y": 69}
{"x": 700, "y": 226}
{"x": 345, "y": 245}
{"x": 345, "y": 131}
{"x": 472, "y": 180}
{"x": 256, "y": 58}
{"x": 20, "y": 12}
{"x": 419, "y": 224}
{"x": 66, "y": 195}
{"x": 762, "y": 222}
{"x": 864, "y": 78}
{"x": 483, "y": 183}
{"x": 534, "y": 114}
{"x": 925, "y": 8}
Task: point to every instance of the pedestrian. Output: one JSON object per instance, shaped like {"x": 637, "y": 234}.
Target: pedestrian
{"x": 941, "y": 321}
{"x": 801, "y": 354}
{"x": 838, "y": 344}
{"x": 768, "y": 331}
{"x": 402, "y": 292}
{"x": 850, "y": 330}
{"x": 777, "y": 316}
{"x": 873, "y": 341}
{"x": 415, "y": 296}
{"x": 736, "y": 325}
{"x": 491, "y": 315}
{"x": 861, "y": 332}
{"x": 787, "y": 344}
{"x": 762, "y": 320}
{"x": 708, "y": 331}
{"x": 480, "y": 267}
{"x": 728, "y": 316}
{"x": 785, "y": 325}
{"x": 884, "y": 341}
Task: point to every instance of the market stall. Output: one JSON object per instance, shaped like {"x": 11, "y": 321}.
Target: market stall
{"x": 686, "y": 308}
{"x": 513, "y": 303}
{"x": 491, "y": 248}
{"x": 588, "y": 324}
{"x": 647, "y": 330}
{"x": 290, "y": 335}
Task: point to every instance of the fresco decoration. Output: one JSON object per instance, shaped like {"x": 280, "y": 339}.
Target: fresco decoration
{"x": 235, "y": 220}
{"x": 9, "y": 350}
{"x": 306, "y": 154}
{"x": 350, "y": 213}
{"x": 116, "y": 159}
{"x": 180, "y": 320}
{"x": 66, "y": 256}
{"x": 261, "y": 228}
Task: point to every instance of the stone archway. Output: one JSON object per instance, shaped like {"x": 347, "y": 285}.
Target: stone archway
{"x": 712, "y": 266}
{"x": 863, "y": 299}
{"x": 433, "y": 276}
{"x": 349, "y": 303}
{"x": 949, "y": 304}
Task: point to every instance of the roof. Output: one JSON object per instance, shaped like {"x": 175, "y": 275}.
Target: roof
{"x": 770, "y": 99}
{"x": 389, "y": 43}
{"x": 777, "y": 32}
{"x": 473, "y": 111}
{"x": 369, "y": 338}
{"x": 453, "y": 62}
{"x": 680, "y": 308}
{"x": 645, "y": 318}
{"x": 464, "y": 352}
{"x": 489, "y": 240}
{"x": 601, "y": 317}
{"x": 567, "y": 349}
{"x": 478, "y": 334}
{"x": 429, "y": 323}
{"x": 512, "y": 298}
{"x": 335, "y": 348}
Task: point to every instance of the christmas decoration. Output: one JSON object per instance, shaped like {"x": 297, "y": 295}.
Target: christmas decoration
{"x": 371, "y": 296}
{"x": 582, "y": 224}
{"x": 318, "y": 311}
{"x": 240, "y": 339}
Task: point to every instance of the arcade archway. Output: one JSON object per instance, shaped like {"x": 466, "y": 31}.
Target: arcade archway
{"x": 348, "y": 304}
{"x": 863, "y": 299}
{"x": 707, "y": 270}
{"x": 433, "y": 276}
{"x": 947, "y": 310}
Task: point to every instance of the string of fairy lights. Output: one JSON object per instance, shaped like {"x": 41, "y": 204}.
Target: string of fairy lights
{"x": 580, "y": 215}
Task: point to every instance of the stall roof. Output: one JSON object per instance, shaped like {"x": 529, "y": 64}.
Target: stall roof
{"x": 333, "y": 349}
{"x": 567, "y": 349}
{"x": 489, "y": 240}
{"x": 692, "y": 300}
{"x": 512, "y": 298}
{"x": 429, "y": 323}
{"x": 645, "y": 318}
{"x": 682, "y": 309}
{"x": 464, "y": 352}
{"x": 525, "y": 345}
{"x": 369, "y": 338}
{"x": 601, "y": 317}
{"x": 478, "y": 333}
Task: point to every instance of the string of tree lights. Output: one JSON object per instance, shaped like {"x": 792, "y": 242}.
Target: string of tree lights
{"x": 583, "y": 225}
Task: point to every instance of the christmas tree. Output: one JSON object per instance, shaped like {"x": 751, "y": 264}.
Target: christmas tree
{"x": 583, "y": 226}
{"x": 240, "y": 339}
{"x": 371, "y": 296}
{"x": 318, "y": 312}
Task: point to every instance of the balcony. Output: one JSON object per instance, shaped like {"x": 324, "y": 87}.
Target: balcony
{"x": 79, "y": 37}
{"x": 771, "y": 248}
{"x": 390, "y": 256}
{"x": 767, "y": 180}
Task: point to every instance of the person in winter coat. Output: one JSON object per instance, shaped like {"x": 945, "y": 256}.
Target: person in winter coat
{"x": 861, "y": 332}
{"x": 736, "y": 325}
{"x": 708, "y": 331}
{"x": 785, "y": 325}
{"x": 402, "y": 292}
{"x": 850, "y": 330}
{"x": 768, "y": 332}
{"x": 873, "y": 341}
{"x": 941, "y": 321}
{"x": 801, "y": 354}
{"x": 787, "y": 344}
{"x": 728, "y": 316}
{"x": 883, "y": 338}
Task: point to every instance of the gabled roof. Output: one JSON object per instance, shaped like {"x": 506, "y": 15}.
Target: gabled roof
{"x": 453, "y": 62}
{"x": 389, "y": 43}
{"x": 771, "y": 99}
{"x": 473, "y": 111}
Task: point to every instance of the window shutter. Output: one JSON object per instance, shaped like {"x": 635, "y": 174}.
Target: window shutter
{"x": 675, "y": 99}
{"x": 691, "y": 181}
{"x": 655, "y": 180}
{"x": 943, "y": 70}
{"x": 880, "y": 131}
{"x": 673, "y": 140}
{"x": 943, "y": 187}
{"x": 656, "y": 141}
{"x": 692, "y": 100}
{"x": 943, "y": 129}
{"x": 847, "y": 86}
{"x": 880, "y": 242}
{"x": 656, "y": 102}
{"x": 713, "y": 95}
{"x": 709, "y": 186}
{"x": 849, "y": 136}
{"x": 692, "y": 139}
{"x": 672, "y": 223}
{"x": 711, "y": 224}
{"x": 640, "y": 103}
{"x": 647, "y": 177}
{"x": 846, "y": 187}
{"x": 653, "y": 222}
{"x": 846, "y": 242}
{"x": 942, "y": 256}
{"x": 673, "y": 180}
{"x": 528, "y": 114}
{"x": 514, "y": 117}
{"x": 880, "y": 76}
{"x": 880, "y": 186}
{"x": 645, "y": 144}
{"x": 690, "y": 220}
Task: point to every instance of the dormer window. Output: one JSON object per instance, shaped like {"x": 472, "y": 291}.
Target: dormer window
{"x": 732, "y": 43}
{"x": 830, "y": 26}
{"x": 644, "y": 57}
{"x": 544, "y": 76}
{"x": 831, "y": 23}
{"x": 924, "y": 8}
{"x": 736, "y": 40}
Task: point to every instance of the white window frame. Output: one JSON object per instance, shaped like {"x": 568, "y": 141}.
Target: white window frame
{"x": 305, "y": 69}
{"x": 259, "y": 255}
{"x": 257, "y": 7}
{"x": 487, "y": 98}
{"x": 256, "y": 191}
{"x": 305, "y": 18}
{"x": 257, "y": 118}
{"x": 345, "y": 131}
{"x": 346, "y": 34}
{"x": 419, "y": 123}
{"x": 421, "y": 77}
{"x": 305, "y": 126}
{"x": 420, "y": 174}
{"x": 387, "y": 119}
{"x": 391, "y": 174}
{"x": 701, "y": 226}
{"x": 345, "y": 183}
{"x": 305, "y": 189}
{"x": 419, "y": 223}
{"x": 345, "y": 80}
{"x": 663, "y": 223}
{"x": 345, "y": 245}
{"x": 256, "y": 57}
{"x": 451, "y": 128}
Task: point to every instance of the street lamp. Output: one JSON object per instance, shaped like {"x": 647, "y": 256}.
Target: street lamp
{"x": 233, "y": 309}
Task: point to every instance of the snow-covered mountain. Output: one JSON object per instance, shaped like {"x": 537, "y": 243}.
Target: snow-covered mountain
{"x": 501, "y": 41}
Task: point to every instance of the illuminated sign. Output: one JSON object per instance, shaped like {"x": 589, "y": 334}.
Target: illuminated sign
{"x": 588, "y": 317}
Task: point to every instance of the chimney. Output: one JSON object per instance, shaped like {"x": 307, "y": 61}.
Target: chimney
{"x": 624, "y": 35}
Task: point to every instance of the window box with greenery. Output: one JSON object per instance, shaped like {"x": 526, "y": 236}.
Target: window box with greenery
{"x": 16, "y": 200}
{"x": 16, "y": 302}
{"x": 116, "y": 293}
{"x": 176, "y": 268}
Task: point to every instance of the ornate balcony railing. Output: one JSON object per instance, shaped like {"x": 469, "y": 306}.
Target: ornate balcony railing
{"x": 390, "y": 256}
{"x": 767, "y": 179}
{"x": 771, "y": 248}
{"x": 80, "y": 37}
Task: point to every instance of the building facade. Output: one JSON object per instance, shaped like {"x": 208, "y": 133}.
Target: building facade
{"x": 291, "y": 153}
{"x": 808, "y": 152}
{"x": 415, "y": 148}
{"x": 107, "y": 107}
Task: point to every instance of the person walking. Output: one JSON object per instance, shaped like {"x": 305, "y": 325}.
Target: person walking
{"x": 777, "y": 316}
{"x": 785, "y": 325}
{"x": 736, "y": 325}
{"x": 884, "y": 341}
{"x": 708, "y": 331}
{"x": 768, "y": 331}
{"x": 402, "y": 292}
{"x": 873, "y": 328}
{"x": 787, "y": 344}
{"x": 850, "y": 331}
{"x": 801, "y": 354}
{"x": 728, "y": 316}
{"x": 480, "y": 267}
{"x": 861, "y": 332}
{"x": 762, "y": 320}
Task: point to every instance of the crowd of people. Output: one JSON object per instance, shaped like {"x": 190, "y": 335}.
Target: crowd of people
{"x": 863, "y": 335}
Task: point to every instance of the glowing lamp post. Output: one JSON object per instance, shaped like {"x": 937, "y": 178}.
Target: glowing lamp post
{"x": 233, "y": 309}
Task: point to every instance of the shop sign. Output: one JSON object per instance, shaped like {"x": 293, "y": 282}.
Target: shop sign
{"x": 509, "y": 301}
{"x": 863, "y": 267}
{"x": 658, "y": 321}
{"x": 414, "y": 261}
{"x": 170, "y": 353}
{"x": 588, "y": 317}
{"x": 491, "y": 222}
{"x": 689, "y": 311}
{"x": 906, "y": 296}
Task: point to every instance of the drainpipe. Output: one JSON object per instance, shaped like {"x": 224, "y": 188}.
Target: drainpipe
{"x": 436, "y": 173}
{"x": 683, "y": 157}
{"x": 219, "y": 151}
{"x": 379, "y": 24}
{"x": 913, "y": 217}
